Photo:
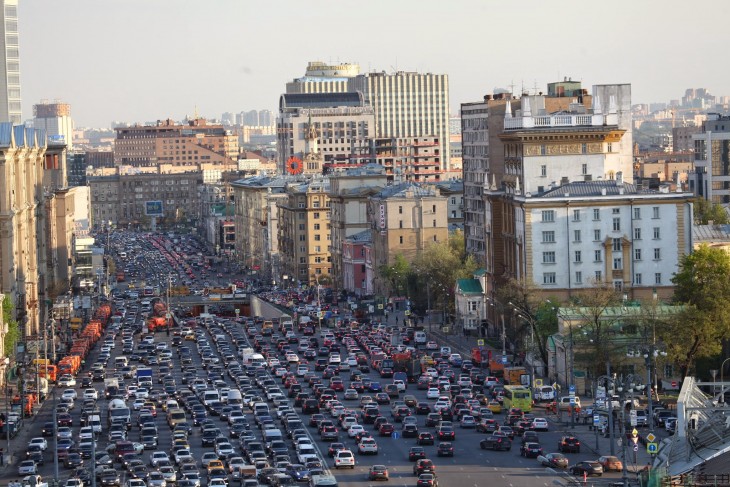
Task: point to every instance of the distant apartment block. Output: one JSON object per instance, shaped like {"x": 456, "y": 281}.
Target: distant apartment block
{"x": 55, "y": 119}
{"x": 711, "y": 177}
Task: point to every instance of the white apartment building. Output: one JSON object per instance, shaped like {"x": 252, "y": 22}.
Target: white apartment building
{"x": 607, "y": 231}
{"x": 55, "y": 119}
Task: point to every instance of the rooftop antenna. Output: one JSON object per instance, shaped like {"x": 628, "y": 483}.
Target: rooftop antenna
{"x": 534, "y": 88}
{"x": 512, "y": 87}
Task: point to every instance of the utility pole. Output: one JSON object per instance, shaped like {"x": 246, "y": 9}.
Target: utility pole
{"x": 55, "y": 441}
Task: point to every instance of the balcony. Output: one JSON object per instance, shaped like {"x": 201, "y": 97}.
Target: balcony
{"x": 560, "y": 120}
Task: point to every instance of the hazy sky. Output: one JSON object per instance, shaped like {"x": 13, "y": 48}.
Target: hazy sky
{"x": 143, "y": 60}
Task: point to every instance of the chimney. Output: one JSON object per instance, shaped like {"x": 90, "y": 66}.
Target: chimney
{"x": 619, "y": 178}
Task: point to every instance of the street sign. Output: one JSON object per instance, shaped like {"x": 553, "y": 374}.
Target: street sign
{"x": 634, "y": 433}
{"x": 596, "y": 420}
{"x": 651, "y": 448}
{"x": 504, "y": 359}
{"x": 635, "y": 439}
{"x": 538, "y": 382}
{"x": 395, "y": 435}
{"x": 650, "y": 437}
{"x": 572, "y": 400}
{"x": 632, "y": 417}
{"x": 480, "y": 343}
{"x": 380, "y": 305}
{"x": 571, "y": 389}
{"x": 636, "y": 448}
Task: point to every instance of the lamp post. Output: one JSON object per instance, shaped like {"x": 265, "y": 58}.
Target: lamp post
{"x": 722, "y": 380}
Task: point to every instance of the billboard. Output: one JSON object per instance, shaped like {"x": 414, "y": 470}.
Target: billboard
{"x": 153, "y": 208}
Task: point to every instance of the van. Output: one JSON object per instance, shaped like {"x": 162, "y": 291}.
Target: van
{"x": 175, "y": 417}
{"x": 95, "y": 422}
{"x": 260, "y": 408}
{"x": 420, "y": 337}
{"x": 270, "y": 435}
{"x": 120, "y": 362}
{"x": 209, "y": 397}
{"x": 545, "y": 393}
{"x": 234, "y": 398}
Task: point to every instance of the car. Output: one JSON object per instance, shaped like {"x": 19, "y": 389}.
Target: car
{"x": 431, "y": 345}
{"x": 367, "y": 446}
{"x": 496, "y": 442}
{"x": 422, "y": 466}
{"x": 433, "y": 393}
{"x": 67, "y": 381}
{"x": 540, "y": 424}
{"x": 334, "y": 448}
{"x": 27, "y": 467}
{"x": 494, "y": 406}
{"x": 610, "y": 463}
{"x": 425, "y": 439}
{"x": 445, "y": 449}
{"x": 386, "y": 429}
{"x": 157, "y": 457}
{"x": 42, "y": 443}
{"x": 378, "y": 472}
{"x": 446, "y": 433}
{"x": 427, "y": 480}
{"x": 531, "y": 450}
{"x": 298, "y": 472}
{"x": 569, "y": 444}
{"x": 555, "y": 460}
{"x": 410, "y": 430}
{"x": 467, "y": 421}
{"x": 416, "y": 453}
{"x": 588, "y": 468}
{"x": 344, "y": 458}
{"x": 69, "y": 394}
{"x": 354, "y": 430}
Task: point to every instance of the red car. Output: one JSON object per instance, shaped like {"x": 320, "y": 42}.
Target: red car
{"x": 386, "y": 429}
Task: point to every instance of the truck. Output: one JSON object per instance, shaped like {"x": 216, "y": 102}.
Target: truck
{"x": 116, "y": 409}
{"x": 516, "y": 376}
{"x": 111, "y": 387}
{"x": 144, "y": 376}
{"x": 246, "y": 354}
{"x": 406, "y": 363}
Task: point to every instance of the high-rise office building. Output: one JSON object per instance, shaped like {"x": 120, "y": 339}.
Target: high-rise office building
{"x": 10, "y": 63}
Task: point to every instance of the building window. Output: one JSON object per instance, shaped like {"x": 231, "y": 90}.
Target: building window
{"x": 400, "y": 223}
{"x": 576, "y": 215}
{"x": 584, "y": 169}
{"x": 548, "y": 237}
{"x": 596, "y": 235}
{"x": 433, "y": 208}
{"x": 578, "y": 277}
{"x": 584, "y": 148}
{"x": 618, "y": 285}
{"x": 617, "y": 224}
{"x": 616, "y": 244}
{"x": 576, "y": 235}
{"x": 400, "y": 210}
{"x": 317, "y": 238}
{"x": 637, "y": 213}
{"x": 596, "y": 214}
{"x": 548, "y": 216}
{"x": 609, "y": 147}
{"x": 599, "y": 276}
{"x": 543, "y": 170}
{"x": 400, "y": 239}
{"x": 616, "y": 211}
{"x": 637, "y": 254}
{"x": 657, "y": 234}
{"x": 316, "y": 226}
{"x": 637, "y": 233}
{"x": 657, "y": 254}
{"x": 543, "y": 150}
{"x": 658, "y": 278}
{"x": 617, "y": 264}
{"x": 578, "y": 256}
{"x": 655, "y": 212}
{"x": 548, "y": 278}
{"x": 434, "y": 223}
{"x": 597, "y": 256}
{"x": 637, "y": 279}
{"x": 548, "y": 257}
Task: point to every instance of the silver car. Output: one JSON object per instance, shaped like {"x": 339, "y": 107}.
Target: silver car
{"x": 156, "y": 479}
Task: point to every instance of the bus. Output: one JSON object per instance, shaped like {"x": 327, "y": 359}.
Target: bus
{"x": 517, "y": 397}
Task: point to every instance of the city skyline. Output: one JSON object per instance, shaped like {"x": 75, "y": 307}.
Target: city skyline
{"x": 108, "y": 71}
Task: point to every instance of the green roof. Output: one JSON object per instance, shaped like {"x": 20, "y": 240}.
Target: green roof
{"x": 469, "y": 286}
{"x": 480, "y": 272}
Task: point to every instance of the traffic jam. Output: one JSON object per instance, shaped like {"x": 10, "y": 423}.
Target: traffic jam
{"x": 151, "y": 398}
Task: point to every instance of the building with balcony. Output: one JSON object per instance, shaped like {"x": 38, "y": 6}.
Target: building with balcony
{"x": 305, "y": 232}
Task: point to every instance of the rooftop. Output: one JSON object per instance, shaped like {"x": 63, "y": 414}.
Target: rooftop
{"x": 321, "y": 100}
{"x": 407, "y": 190}
{"x": 711, "y": 233}
{"x": 469, "y": 286}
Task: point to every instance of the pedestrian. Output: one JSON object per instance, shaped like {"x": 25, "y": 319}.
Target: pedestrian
{"x": 2, "y": 457}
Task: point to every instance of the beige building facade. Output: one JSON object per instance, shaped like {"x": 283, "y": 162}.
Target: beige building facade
{"x": 168, "y": 142}
{"x": 305, "y": 232}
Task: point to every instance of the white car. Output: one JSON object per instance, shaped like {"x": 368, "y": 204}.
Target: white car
{"x": 91, "y": 394}
{"x": 368, "y": 446}
{"x": 182, "y": 456}
{"x": 74, "y": 483}
{"x": 135, "y": 483}
{"x": 157, "y": 457}
{"x": 69, "y": 394}
{"x": 352, "y": 361}
{"x": 64, "y": 432}
{"x": 440, "y": 406}
{"x": 400, "y": 385}
{"x": 344, "y": 458}
{"x": 41, "y": 442}
{"x": 433, "y": 393}
{"x": 354, "y": 430}
{"x": 445, "y": 351}
{"x": 67, "y": 381}
{"x": 224, "y": 449}
{"x": 27, "y": 467}
{"x": 335, "y": 360}
{"x": 431, "y": 345}
{"x": 86, "y": 433}
{"x": 274, "y": 362}
{"x": 137, "y": 404}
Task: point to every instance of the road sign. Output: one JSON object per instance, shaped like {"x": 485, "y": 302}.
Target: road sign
{"x": 634, "y": 433}
{"x": 635, "y": 439}
{"x": 651, "y": 448}
{"x": 650, "y": 437}
{"x": 571, "y": 388}
{"x": 480, "y": 343}
{"x": 632, "y": 417}
{"x": 596, "y": 420}
{"x": 636, "y": 447}
{"x": 380, "y": 305}
{"x": 572, "y": 400}
{"x": 504, "y": 359}
{"x": 395, "y": 435}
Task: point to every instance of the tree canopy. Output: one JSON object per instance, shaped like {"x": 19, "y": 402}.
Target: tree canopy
{"x": 706, "y": 211}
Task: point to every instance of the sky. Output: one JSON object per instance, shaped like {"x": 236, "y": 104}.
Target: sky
{"x": 144, "y": 60}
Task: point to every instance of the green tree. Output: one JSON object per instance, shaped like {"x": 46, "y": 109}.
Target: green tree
{"x": 703, "y": 285}
{"x": 706, "y": 211}
{"x": 13, "y": 334}
{"x": 396, "y": 274}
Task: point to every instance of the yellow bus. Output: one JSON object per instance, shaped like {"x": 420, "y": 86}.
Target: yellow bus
{"x": 517, "y": 397}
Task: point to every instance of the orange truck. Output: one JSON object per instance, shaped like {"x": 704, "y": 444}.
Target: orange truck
{"x": 156, "y": 324}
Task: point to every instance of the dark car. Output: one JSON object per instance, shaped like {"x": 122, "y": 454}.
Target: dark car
{"x": 110, "y": 477}
{"x": 530, "y": 450}
{"x": 423, "y": 408}
{"x": 494, "y": 442}
{"x": 427, "y": 480}
{"x": 432, "y": 419}
{"x": 424, "y": 466}
{"x": 569, "y": 444}
{"x": 416, "y": 453}
{"x": 378, "y": 472}
{"x": 425, "y": 439}
{"x": 445, "y": 449}
{"x": 73, "y": 460}
{"x": 446, "y": 433}
{"x": 48, "y": 429}
{"x": 334, "y": 448}
{"x": 530, "y": 437}
{"x": 329, "y": 433}
{"x": 555, "y": 460}
{"x": 587, "y": 468}
{"x": 410, "y": 431}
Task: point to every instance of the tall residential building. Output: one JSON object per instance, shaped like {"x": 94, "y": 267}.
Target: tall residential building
{"x": 341, "y": 122}
{"x": 10, "y": 109}
{"x": 168, "y": 142}
{"x": 305, "y": 233}
{"x": 55, "y": 119}
{"x": 349, "y": 193}
{"x": 475, "y": 163}
{"x": 711, "y": 178}
{"x": 324, "y": 78}
{"x": 408, "y": 104}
